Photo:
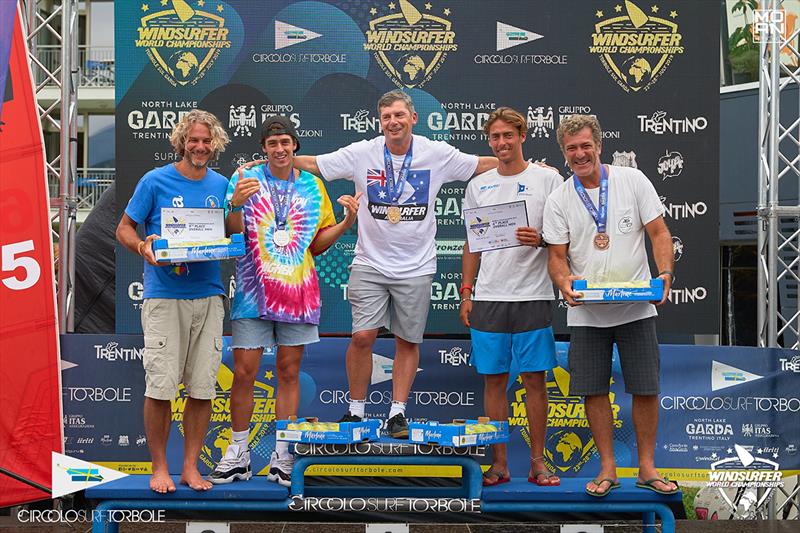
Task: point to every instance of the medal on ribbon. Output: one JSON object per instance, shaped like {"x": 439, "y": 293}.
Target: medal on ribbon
{"x": 600, "y": 213}
{"x": 395, "y": 189}
{"x": 281, "y": 235}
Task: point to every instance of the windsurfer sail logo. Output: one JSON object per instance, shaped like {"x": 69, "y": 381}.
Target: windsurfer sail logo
{"x": 634, "y": 47}
{"x": 183, "y": 42}
{"x": 410, "y": 46}
{"x": 746, "y": 473}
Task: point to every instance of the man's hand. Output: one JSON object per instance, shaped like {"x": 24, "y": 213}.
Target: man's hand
{"x": 529, "y": 236}
{"x": 569, "y": 295}
{"x": 146, "y": 250}
{"x": 667, "y": 279}
{"x": 464, "y": 311}
{"x": 245, "y": 188}
{"x": 350, "y": 204}
{"x": 542, "y": 164}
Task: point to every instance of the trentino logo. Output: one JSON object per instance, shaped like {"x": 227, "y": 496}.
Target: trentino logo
{"x": 183, "y": 42}
{"x": 509, "y": 36}
{"x": 724, "y": 376}
{"x": 288, "y": 35}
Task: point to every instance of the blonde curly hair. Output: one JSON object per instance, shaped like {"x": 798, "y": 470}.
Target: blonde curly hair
{"x": 219, "y": 138}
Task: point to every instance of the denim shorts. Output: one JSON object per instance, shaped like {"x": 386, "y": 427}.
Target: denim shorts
{"x": 251, "y": 333}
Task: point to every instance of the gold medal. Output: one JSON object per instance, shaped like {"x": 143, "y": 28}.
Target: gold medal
{"x": 602, "y": 241}
{"x": 393, "y": 214}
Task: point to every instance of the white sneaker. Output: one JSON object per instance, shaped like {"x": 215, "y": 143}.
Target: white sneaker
{"x": 280, "y": 470}
{"x": 234, "y": 465}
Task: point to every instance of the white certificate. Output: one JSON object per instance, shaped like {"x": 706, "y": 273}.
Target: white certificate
{"x": 183, "y": 224}
{"x": 493, "y": 227}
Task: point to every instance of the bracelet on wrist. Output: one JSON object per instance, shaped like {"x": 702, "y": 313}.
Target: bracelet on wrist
{"x": 464, "y": 288}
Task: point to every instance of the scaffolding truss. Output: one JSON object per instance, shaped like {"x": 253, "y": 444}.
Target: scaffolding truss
{"x": 58, "y": 22}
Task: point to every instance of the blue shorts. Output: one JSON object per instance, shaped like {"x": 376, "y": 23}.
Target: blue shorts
{"x": 505, "y": 334}
{"x": 253, "y": 333}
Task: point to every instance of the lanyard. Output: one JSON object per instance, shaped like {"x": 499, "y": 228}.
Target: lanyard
{"x": 599, "y": 213}
{"x": 396, "y": 189}
{"x": 281, "y": 208}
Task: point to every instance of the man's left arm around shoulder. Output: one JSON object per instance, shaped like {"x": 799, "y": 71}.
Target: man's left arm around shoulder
{"x": 663, "y": 254}
{"x": 485, "y": 163}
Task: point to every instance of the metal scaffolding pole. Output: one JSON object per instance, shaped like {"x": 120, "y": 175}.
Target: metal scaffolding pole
{"x": 47, "y": 20}
{"x": 779, "y": 224}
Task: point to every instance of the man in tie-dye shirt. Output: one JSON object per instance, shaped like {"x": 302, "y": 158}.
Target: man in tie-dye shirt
{"x": 287, "y": 218}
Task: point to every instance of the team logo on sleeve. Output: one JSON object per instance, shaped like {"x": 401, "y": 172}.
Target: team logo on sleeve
{"x": 636, "y": 47}
{"x": 410, "y": 45}
{"x": 413, "y": 201}
{"x": 182, "y": 41}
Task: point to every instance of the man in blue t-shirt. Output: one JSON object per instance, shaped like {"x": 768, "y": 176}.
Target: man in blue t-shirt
{"x": 183, "y": 310}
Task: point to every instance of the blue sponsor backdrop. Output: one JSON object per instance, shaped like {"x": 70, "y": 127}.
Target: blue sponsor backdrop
{"x": 649, "y": 72}
{"x": 712, "y": 398}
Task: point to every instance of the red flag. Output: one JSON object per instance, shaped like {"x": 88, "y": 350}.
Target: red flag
{"x": 30, "y": 378}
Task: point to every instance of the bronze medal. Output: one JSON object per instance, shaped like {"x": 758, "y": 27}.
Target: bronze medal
{"x": 601, "y": 241}
{"x": 393, "y": 214}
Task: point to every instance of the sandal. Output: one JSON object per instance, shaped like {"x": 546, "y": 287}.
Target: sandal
{"x": 534, "y": 476}
{"x": 649, "y": 485}
{"x": 495, "y": 477}
{"x": 612, "y": 484}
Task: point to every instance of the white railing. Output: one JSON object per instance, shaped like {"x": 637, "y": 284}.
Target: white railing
{"x": 90, "y": 184}
{"x": 96, "y": 64}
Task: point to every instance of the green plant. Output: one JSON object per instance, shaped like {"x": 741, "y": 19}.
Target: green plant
{"x": 743, "y": 52}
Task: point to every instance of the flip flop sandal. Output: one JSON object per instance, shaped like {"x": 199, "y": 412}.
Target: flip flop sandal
{"x": 648, "y": 485}
{"x": 613, "y": 484}
{"x": 498, "y": 477}
{"x": 547, "y": 476}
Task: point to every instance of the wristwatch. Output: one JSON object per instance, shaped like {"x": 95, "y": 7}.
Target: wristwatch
{"x": 671, "y": 274}
{"x": 234, "y": 209}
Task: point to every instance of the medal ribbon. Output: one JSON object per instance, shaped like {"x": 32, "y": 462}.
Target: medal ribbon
{"x": 396, "y": 189}
{"x": 599, "y": 213}
{"x": 281, "y": 208}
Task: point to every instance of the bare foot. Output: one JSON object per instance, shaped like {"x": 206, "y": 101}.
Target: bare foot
{"x": 195, "y": 481}
{"x": 161, "y": 482}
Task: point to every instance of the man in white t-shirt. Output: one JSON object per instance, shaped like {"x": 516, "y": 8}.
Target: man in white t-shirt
{"x": 595, "y": 225}
{"x": 510, "y": 309}
{"x": 399, "y": 174}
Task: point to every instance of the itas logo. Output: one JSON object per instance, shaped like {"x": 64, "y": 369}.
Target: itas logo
{"x": 453, "y": 357}
{"x": 112, "y": 352}
{"x": 242, "y": 120}
{"x": 625, "y": 159}
{"x": 791, "y": 365}
{"x": 509, "y": 36}
{"x": 635, "y": 48}
{"x": 410, "y": 46}
{"x": 687, "y": 295}
{"x": 288, "y": 35}
{"x": 659, "y": 124}
{"x": 670, "y": 165}
{"x": 360, "y": 122}
{"x": 677, "y": 247}
{"x": 763, "y": 431}
{"x": 287, "y": 110}
{"x": 183, "y": 42}
{"x": 540, "y": 124}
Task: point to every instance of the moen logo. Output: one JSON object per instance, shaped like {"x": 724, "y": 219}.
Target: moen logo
{"x": 410, "y": 46}
{"x": 183, "y": 42}
{"x": 635, "y": 48}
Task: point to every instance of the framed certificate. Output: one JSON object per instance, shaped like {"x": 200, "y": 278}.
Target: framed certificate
{"x": 494, "y": 227}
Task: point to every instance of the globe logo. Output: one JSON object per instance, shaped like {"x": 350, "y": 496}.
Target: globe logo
{"x": 636, "y": 71}
{"x": 412, "y": 66}
{"x": 568, "y": 447}
{"x": 184, "y": 64}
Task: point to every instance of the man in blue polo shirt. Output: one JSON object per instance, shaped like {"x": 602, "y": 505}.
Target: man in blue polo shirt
{"x": 183, "y": 303}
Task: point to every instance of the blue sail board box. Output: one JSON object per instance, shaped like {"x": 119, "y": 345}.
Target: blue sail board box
{"x": 622, "y": 292}
{"x": 459, "y": 433}
{"x": 178, "y": 253}
{"x": 347, "y": 432}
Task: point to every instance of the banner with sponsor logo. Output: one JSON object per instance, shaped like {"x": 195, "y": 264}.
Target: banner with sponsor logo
{"x": 648, "y": 71}
{"x": 712, "y": 399}
{"x": 29, "y": 375}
